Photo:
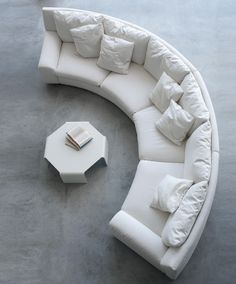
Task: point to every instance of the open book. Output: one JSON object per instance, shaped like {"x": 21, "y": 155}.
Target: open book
{"x": 78, "y": 137}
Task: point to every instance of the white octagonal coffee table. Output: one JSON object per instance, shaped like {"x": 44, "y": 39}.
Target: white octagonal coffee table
{"x": 71, "y": 164}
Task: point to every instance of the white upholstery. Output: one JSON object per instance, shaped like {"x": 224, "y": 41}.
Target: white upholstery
{"x": 87, "y": 39}
{"x": 115, "y": 54}
{"x": 166, "y": 90}
{"x": 71, "y": 65}
{"x": 152, "y": 144}
{"x": 139, "y": 198}
{"x": 132, "y": 232}
{"x": 140, "y": 38}
{"x": 130, "y": 92}
{"x": 180, "y": 223}
{"x": 169, "y": 193}
{"x": 175, "y": 123}
{"x": 197, "y": 164}
{"x": 49, "y": 57}
{"x": 193, "y": 102}
{"x": 160, "y": 59}
{"x": 136, "y": 225}
{"x": 66, "y": 20}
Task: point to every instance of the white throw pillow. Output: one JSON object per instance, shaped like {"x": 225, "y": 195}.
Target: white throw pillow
{"x": 124, "y": 31}
{"x": 115, "y": 54}
{"x": 179, "y": 224}
{"x": 66, "y": 20}
{"x": 197, "y": 164}
{"x": 160, "y": 59}
{"x": 165, "y": 90}
{"x": 87, "y": 39}
{"x": 193, "y": 102}
{"x": 175, "y": 123}
{"x": 169, "y": 193}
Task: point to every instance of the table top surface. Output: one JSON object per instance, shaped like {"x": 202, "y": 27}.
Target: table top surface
{"x": 66, "y": 159}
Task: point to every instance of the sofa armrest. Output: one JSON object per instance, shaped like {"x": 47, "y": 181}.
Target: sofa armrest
{"x": 138, "y": 237}
{"x": 49, "y": 57}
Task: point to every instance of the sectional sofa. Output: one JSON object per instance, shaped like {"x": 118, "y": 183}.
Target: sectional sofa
{"x": 137, "y": 224}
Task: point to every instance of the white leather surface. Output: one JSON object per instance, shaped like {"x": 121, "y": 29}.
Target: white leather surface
{"x": 152, "y": 144}
{"x": 115, "y": 54}
{"x": 140, "y": 38}
{"x": 137, "y": 203}
{"x": 73, "y": 66}
{"x": 133, "y": 233}
{"x": 130, "y": 92}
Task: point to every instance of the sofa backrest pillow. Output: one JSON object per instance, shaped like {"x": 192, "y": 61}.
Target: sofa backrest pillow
{"x": 178, "y": 225}
{"x": 165, "y": 90}
{"x": 87, "y": 39}
{"x": 124, "y": 31}
{"x": 66, "y": 20}
{"x": 175, "y": 123}
{"x": 160, "y": 59}
{"x": 115, "y": 54}
{"x": 193, "y": 102}
{"x": 197, "y": 163}
{"x": 169, "y": 193}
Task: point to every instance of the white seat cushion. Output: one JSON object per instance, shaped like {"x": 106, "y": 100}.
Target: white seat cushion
{"x": 130, "y": 92}
{"x": 137, "y": 203}
{"x": 152, "y": 144}
{"x": 73, "y": 66}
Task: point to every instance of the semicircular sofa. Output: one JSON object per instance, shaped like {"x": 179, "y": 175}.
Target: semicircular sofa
{"x": 137, "y": 224}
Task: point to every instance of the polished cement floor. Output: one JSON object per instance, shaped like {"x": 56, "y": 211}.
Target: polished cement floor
{"x": 52, "y": 233}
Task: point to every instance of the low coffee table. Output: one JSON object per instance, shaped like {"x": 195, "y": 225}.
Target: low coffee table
{"x": 71, "y": 164}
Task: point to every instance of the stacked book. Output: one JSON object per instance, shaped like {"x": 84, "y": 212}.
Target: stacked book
{"x": 77, "y": 138}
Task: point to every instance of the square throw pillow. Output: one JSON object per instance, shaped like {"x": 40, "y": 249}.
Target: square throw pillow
{"x": 124, "y": 31}
{"x": 115, "y": 54}
{"x": 179, "y": 224}
{"x": 193, "y": 102}
{"x": 175, "y": 123}
{"x": 66, "y": 20}
{"x": 197, "y": 163}
{"x": 87, "y": 39}
{"x": 166, "y": 90}
{"x": 169, "y": 193}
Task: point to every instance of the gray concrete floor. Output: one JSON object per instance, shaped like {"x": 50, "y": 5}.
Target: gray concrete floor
{"x": 56, "y": 233}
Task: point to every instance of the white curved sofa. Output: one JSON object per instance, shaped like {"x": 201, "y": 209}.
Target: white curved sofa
{"x": 136, "y": 224}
